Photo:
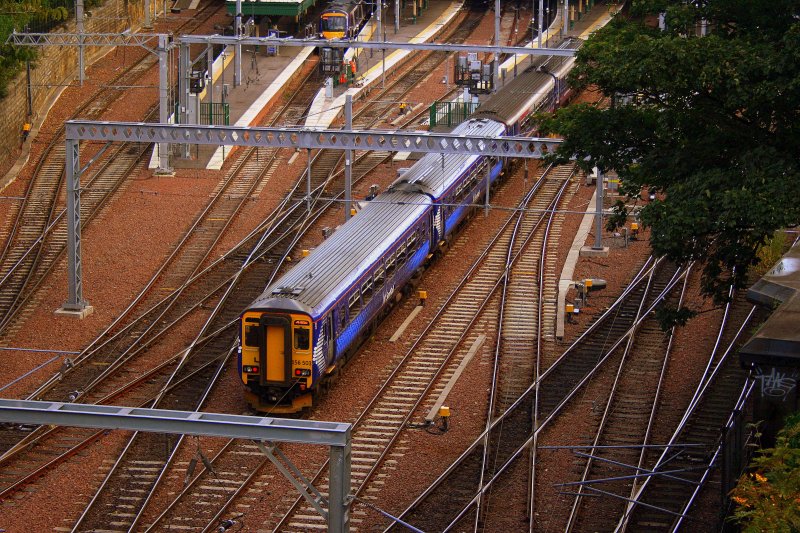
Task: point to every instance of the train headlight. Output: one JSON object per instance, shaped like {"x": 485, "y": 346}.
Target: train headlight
{"x": 250, "y": 369}
{"x": 302, "y": 372}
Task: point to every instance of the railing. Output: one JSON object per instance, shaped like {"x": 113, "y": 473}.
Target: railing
{"x": 451, "y": 113}
{"x": 215, "y": 114}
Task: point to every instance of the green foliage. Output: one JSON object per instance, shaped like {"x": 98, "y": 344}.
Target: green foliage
{"x": 39, "y": 16}
{"x": 711, "y": 123}
{"x": 768, "y": 498}
{"x": 670, "y": 317}
{"x": 771, "y": 252}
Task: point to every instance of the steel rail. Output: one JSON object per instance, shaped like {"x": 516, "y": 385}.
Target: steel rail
{"x": 445, "y": 358}
{"x": 744, "y": 396}
{"x": 537, "y": 372}
{"x": 526, "y": 445}
{"x": 607, "y": 412}
{"x": 56, "y": 145}
{"x": 518, "y": 403}
{"x": 703, "y": 389}
{"x": 545, "y": 218}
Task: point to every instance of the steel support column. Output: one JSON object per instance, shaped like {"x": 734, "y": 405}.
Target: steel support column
{"x": 541, "y": 22}
{"x": 308, "y": 179}
{"x": 598, "y": 218}
{"x": 496, "y": 69}
{"x": 79, "y": 25}
{"x": 163, "y": 103}
{"x": 75, "y": 302}
{"x": 339, "y": 489}
{"x": 148, "y": 24}
{"x": 348, "y": 156}
{"x": 237, "y": 60}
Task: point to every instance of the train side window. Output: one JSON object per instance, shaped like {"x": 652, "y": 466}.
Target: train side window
{"x": 380, "y": 276}
{"x": 354, "y": 303}
{"x": 366, "y": 290}
{"x": 251, "y": 335}
{"x": 342, "y": 317}
{"x": 401, "y": 254}
{"x": 412, "y": 241}
{"x": 390, "y": 264}
{"x": 302, "y": 338}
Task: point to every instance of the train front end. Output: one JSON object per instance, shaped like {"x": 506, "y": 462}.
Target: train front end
{"x": 333, "y": 24}
{"x": 276, "y": 360}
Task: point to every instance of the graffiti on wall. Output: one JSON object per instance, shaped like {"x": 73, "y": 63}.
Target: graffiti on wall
{"x": 777, "y": 383}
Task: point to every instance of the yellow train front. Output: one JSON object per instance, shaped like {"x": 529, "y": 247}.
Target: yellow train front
{"x": 276, "y": 360}
{"x": 343, "y": 20}
{"x": 340, "y": 20}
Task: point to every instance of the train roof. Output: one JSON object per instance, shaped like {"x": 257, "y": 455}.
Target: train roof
{"x": 430, "y": 176}
{"x": 320, "y": 279}
{"x": 519, "y": 96}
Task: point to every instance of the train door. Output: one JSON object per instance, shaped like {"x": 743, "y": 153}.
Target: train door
{"x": 276, "y": 349}
{"x": 327, "y": 335}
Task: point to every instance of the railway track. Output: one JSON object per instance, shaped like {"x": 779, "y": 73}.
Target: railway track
{"x": 451, "y": 500}
{"x": 623, "y": 430}
{"x": 660, "y": 502}
{"x": 104, "y": 366}
{"x": 155, "y": 318}
{"x": 322, "y": 166}
{"x": 321, "y": 178}
{"x": 38, "y": 236}
{"x": 426, "y": 367}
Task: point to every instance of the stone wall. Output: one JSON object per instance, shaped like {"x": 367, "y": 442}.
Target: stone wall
{"x": 57, "y": 66}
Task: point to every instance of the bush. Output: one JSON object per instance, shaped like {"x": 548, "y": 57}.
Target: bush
{"x": 768, "y": 497}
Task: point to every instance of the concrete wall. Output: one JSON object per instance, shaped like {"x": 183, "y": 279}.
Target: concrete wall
{"x": 56, "y": 67}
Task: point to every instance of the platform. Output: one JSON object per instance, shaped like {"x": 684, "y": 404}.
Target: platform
{"x": 266, "y": 75}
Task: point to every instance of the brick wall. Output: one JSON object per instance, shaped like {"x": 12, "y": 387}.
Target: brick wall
{"x": 57, "y": 66}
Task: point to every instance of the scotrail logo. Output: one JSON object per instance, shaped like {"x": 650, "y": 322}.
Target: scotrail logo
{"x": 388, "y": 294}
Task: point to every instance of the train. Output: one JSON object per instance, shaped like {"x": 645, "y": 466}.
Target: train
{"x": 341, "y": 19}
{"x": 296, "y": 335}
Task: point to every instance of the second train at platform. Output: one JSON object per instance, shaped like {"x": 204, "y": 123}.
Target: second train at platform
{"x": 303, "y": 327}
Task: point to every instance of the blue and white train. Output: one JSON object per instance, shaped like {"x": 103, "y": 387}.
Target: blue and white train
{"x": 306, "y": 324}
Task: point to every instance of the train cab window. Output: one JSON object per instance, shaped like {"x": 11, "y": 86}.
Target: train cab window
{"x": 342, "y": 317}
{"x": 251, "y": 335}
{"x": 302, "y": 338}
{"x": 334, "y": 23}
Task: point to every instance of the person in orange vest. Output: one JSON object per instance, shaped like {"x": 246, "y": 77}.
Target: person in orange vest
{"x": 403, "y": 106}
{"x": 26, "y": 130}
{"x": 353, "y": 66}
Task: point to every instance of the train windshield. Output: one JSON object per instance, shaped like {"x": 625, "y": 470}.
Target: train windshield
{"x": 334, "y": 23}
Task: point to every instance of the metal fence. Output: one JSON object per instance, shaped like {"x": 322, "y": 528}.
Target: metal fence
{"x": 215, "y": 114}
{"x": 451, "y": 113}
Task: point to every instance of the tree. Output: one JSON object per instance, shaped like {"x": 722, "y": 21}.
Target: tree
{"x": 711, "y": 123}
